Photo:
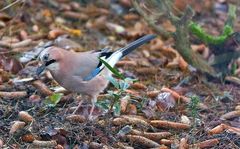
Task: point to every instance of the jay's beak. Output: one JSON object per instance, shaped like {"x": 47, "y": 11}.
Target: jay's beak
{"x": 40, "y": 69}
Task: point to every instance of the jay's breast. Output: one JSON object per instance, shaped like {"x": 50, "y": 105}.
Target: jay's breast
{"x": 73, "y": 84}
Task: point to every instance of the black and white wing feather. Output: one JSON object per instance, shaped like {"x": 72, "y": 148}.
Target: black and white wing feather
{"x": 113, "y": 57}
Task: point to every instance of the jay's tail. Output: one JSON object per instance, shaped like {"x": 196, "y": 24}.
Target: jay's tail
{"x": 117, "y": 55}
{"x": 113, "y": 57}
{"x": 135, "y": 44}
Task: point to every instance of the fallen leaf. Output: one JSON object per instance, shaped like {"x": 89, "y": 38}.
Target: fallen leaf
{"x": 165, "y": 101}
{"x": 10, "y": 64}
{"x": 131, "y": 109}
{"x": 29, "y": 138}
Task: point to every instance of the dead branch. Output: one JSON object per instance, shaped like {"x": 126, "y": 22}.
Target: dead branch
{"x": 205, "y": 144}
{"x": 156, "y": 136}
{"x": 25, "y": 116}
{"x": 142, "y": 140}
{"x": 223, "y": 127}
{"x": 125, "y": 120}
{"x": 230, "y": 115}
{"x": 44, "y": 144}
{"x": 42, "y": 88}
{"x": 17, "y": 94}
{"x": 169, "y": 124}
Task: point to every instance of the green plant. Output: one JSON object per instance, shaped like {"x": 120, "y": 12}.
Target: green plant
{"x": 113, "y": 70}
{"x": 193, "y": 107}
{"x": 198, "y": 31}
{"x": 120, "y": 84}
{"x": 53, "y": 100}
{"x": 115, "y": 96}
{"x": 234, "y": 67}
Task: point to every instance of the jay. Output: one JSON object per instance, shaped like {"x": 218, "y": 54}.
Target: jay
{"x": 83, "y": 72}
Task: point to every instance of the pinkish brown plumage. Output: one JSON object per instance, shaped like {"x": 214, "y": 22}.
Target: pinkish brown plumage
{"x": 83, "y": 72}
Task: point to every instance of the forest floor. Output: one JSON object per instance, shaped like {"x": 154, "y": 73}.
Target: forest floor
{"x": 169, "y": 106}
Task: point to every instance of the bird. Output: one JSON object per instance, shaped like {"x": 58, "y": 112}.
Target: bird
{"x": 83, "y": 72}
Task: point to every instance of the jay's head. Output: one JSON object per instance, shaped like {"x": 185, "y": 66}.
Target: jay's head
{"x": 50, "y": 58}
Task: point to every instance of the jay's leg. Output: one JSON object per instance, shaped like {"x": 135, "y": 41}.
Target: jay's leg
{"x": 78, "y": 107}
{"x": 93, "y": 100}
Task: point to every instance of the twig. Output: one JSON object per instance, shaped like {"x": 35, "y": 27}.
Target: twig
{"x": 10, "y": 5}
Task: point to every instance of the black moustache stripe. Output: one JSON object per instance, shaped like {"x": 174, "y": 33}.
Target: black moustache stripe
{"x": 50, "y": 62}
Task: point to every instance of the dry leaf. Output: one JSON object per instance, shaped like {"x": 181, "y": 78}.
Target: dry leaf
{"x": 10, "y": 64}
{"x": 4, "y": 76}
{"x": 165, "y": 101}
{"x": 124, "y": 103}
{"x": 29, "y": 138}
{"x": 131, "y": 109}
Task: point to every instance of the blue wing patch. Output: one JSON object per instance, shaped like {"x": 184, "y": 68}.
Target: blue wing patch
{"x": 105, "y": 54}
{"x": 92, "y": 74}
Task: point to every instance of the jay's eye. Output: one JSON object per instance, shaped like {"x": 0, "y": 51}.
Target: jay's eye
{"x": 45, "y": 57}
